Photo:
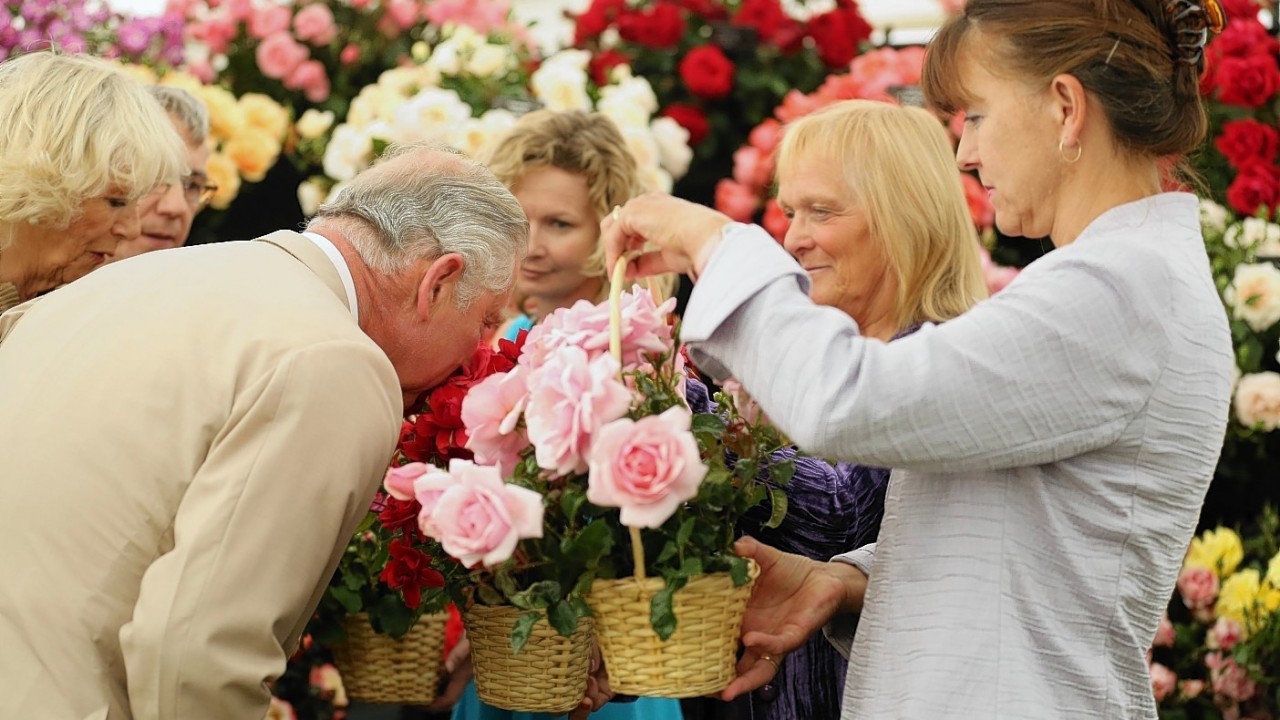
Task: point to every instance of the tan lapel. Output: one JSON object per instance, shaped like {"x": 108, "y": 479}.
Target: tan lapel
{"x": 310, "y": 255}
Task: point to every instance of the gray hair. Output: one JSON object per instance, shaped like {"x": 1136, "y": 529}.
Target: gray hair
{"x": 430, "y": 208}
{"x": 186, "y": 108}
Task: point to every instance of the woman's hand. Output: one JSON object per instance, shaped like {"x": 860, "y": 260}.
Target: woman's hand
{"x": 598, "y": 691}
{"x": 457, "y": 668}
{"x": 793, "y": 598}
{"x": 672, "y": 235}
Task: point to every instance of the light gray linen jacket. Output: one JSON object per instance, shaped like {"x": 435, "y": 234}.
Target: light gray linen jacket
{"x": 1052, "y": 448}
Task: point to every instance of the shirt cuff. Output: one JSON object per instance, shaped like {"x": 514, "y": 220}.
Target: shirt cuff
{"x": 840, "y": 630}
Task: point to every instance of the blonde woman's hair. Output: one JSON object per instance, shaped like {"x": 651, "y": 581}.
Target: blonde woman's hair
{"x": 586, "y": 144}
{"x": 72, "y": 128}
{"x": 899, "y": 164}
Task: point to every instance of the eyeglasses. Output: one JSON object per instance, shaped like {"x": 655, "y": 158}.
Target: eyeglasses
{"x": 197, "y": 191}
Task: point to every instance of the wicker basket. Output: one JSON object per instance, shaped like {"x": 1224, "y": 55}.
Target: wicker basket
{"x": 378, "y": 668}
{"x": 550, "y": 673}
{"x": 698, "y": 659}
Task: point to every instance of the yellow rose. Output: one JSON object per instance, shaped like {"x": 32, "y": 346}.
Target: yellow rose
{"x": 226, "y": 119}
{"x": 265, "y": 114}
{"x": 223, "y": 173}
{"x": 1218, "y": 550}
{"x": 254, "y": 152}
{"x": 182, "y": 80}
{"x": 314, "y": 123}
{"x": 1269, "y": 600}
{"x": 1238, "y": 598}
{"x": 1273, "y": 572}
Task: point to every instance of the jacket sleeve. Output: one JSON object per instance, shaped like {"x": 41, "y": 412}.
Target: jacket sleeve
{"x": 258, "y": 532}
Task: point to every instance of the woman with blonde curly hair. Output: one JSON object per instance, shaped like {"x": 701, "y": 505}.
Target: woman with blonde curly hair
{"x": 80, "y": 144}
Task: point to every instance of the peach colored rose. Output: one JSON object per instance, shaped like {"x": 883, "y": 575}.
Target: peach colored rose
{"x": 1257, "y": 400}
{"x": 752, "y": 168}
{"x": 314, "y": 24}
{"x": 280, "y": 710}
{"x": 764, "y": 137}
{"x": 350, "y": 55}
{"x": 222, "y": 172}
{"x": 491, "y": 413}
{"x": 269, "y": 20}
{"x": 1224, "y": 634}
{"x": 646, "y": 467}
{"x": 1254, "y": 295}
{"x": 311, "y": 78}
{"x": 570, "y": 398}
{"x": 265, "y": 114}
{"x": 254, "y": 152}
{"x": 1190, "y": 689}
{"x": 328, "y": 681}
{"x": 404, "y": 13}
{"x": 1228, "y": 680}
{"x": 775, "y": 220}
{"x": 1165, "y": 634}
{"x": 1163, "y": 681}
{"x": 217, "y": 32}
{"x": 479, "y": 518}
{"x": 1199, "y": 589}
{"x": 279, "y": 55}
{"x": 736, "y": 200}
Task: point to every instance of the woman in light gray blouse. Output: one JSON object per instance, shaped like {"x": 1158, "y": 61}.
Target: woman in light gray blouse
{"x": 1054, "y": 444}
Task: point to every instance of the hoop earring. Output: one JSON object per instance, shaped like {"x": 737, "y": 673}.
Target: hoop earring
{"x": 1063, "y": 154}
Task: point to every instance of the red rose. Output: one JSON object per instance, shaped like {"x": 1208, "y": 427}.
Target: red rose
{"x": 596, "y": 19}
{"x": 1257, "y": 186}
{"x": 1248, "y": 81}
{"x": 660, "y": 26}
{"x": 1243, "y": 38}
{"x": 838, "y": 33}
{"x": 603, "y": 63}
{"x": 446, "y": 405}
{"x": 409, "y": 570}
{"x": 1240, "y": 8}
{"x": 691, "y": 119}
{"x": 707, "y": 72}
{"x": 1246, "y": 141}
{"x": 400, "y": 515}
{"x": 709, "y": 9}
{"x": 769, "y": 21}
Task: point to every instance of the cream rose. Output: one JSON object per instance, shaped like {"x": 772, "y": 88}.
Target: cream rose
{"x": 349, "y": 151}
{"x": 310, "y": 195}
{"x": 314, "y": 123}
{"x": 1258, "y": 400}
{"x": 1254, "y": 295}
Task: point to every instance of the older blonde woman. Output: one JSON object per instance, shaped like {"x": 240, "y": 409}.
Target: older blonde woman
{"x": 80, "y": 144}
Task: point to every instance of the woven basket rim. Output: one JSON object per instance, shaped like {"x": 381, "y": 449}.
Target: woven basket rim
{"x": 656, "y": 582}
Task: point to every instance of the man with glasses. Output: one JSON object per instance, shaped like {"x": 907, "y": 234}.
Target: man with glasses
{"x": 167, "y": 213}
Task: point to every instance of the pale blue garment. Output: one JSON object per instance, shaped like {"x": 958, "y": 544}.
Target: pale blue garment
{"x": 1051, "y": 451}
{"x": 523, "y": 322}
{"x": 469, "y": 707}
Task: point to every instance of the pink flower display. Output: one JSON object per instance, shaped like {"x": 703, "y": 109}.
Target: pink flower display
{"x": 736, "y": 200}
{"x": 267, "y": 21}
{"x": 570, "y": 397}
{"x": 1165, "y": 634}
{"x": 1224, "y": 634}
{"x": 279, "y": 55}
{"x": 491, "y": 412}
{"x": 645, "y": 467}
{"x": 1163, "y": 681}
{"x": 399, "y": 480}
{"x": 310, "y": 77}
{"x": 483, "y": 17}
{"x": 478, "y": 518}
{"x": 1230, "y": 682}
{"x": 314, "y": 24}
{"x": 645, "y": 331}
{"x": 1199, "y": 589}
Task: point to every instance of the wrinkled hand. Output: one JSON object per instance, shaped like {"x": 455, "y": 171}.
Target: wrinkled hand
{"x": 458, "y": 669}
{"x": 792, "y": 599}
{"x": 598, "y": 691}
{"x": 672, "y": 235}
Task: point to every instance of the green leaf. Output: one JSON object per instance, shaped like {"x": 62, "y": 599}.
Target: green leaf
{"x": 365, "y": 524}
{"x": 691, "y": 566}
{"x": 738, "y": 570}
{"x": 350, "y": 600}
{"x": 353, "y": 581}
{"x": 571, "y": 503}
{"x": 563, "y": 618}
{"x": 662, "y": 614}
{"x": 489, "y": 596}
{"x": 782, "y": 472}
{"x": 707, "y": 423}
{"x": 778, "y": 499}
{"x": 506, "y": 584}
{"x": 393, "y": 616}
{"x": 580, "y": 606}
{"x": 523, "y": 628}
{"x": 685, "y": 531}
{"x": 594, "y": 542}
{"x": 538, "y": 596}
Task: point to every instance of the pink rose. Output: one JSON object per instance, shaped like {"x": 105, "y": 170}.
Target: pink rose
{"x": 764, "y": 136}
{"x": 1190, "y": 689}
{"x": 570, "y": 398}
{"x": 483, "y": 17}
{"x": 404, "y": 13}
{"x": 645, "y": 330}
{"x": 1163, "y": 681}
{"x": 996, "y": 276}
{"x": 269, "y": 20}
{"x": 280, "y": 55}
{"x": 314, "y": 24}
{"x": 350, "y": 54}
{"x": 202, "y": 70}
{"x": 399, "y": 480}
{"x": 1229, "y": 681}
{"x": 1199, "y": 589}
{"x": 479, "y": 518}
{"x": 217, "y": 32}
{"x": 775, "y": 220}
{"x": 646, "y": 467}
{"x": 753, "y": 168}
{"x": 1224, "y": 634}
{"x": 1165, "y": 634}
{"x": 239, "y": 10}
{"x": 311, "y": 78}
{"x": 736, "y": 200}
{"x": 491, "y": 412}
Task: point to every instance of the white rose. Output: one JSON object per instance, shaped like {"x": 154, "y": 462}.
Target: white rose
{"x": 560, "y": 86}
{"x": 579, "y": 59}
{"x": 431, "y": 114}
{"x": 623, "y": 113}
{"x": 655, "y": 179}
{"x": 1258, "y": 400}
{"x": 489, "y": 60}
{"x": 374, "y": 102}
{"x": 314, "y": 123}
{"x": 465, "y": 37}
{"x": 402, "y": 81}
{"x": 1213, "y": 217}
{"x": 642, "y": 146}
{"x": 673, "y": 145}
{"x": 1254, "y": 294}
{"x": 349, "y": 152}
{"x": 310, "y": 194}
{"x": 477, "y": 136}
{"x": 446, "y": 59}
{"x": 634, "y": 90}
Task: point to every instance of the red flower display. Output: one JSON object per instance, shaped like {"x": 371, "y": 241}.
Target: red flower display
{"x": 1255, "y": 188}
{"x": 660, "y": 26}
{"x": 691, "y": 119}
{"x": 838, "y": 34}
{"x": 707, "y": 72}
{"x": 408, "y": 570}
{"x": 1248, "y": 81}
{"x": 1246, "y": 141}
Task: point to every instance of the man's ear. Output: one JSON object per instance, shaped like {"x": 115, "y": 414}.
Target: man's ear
{"x": 439, "y": 284}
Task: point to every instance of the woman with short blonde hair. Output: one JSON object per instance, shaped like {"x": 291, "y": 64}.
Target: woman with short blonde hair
{"x": 80, "y": 144}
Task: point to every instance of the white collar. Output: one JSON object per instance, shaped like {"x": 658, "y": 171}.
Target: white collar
{"x": 339, "y": 264}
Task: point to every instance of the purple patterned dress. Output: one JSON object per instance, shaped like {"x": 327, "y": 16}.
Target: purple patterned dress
{"x": 832, "y": 508}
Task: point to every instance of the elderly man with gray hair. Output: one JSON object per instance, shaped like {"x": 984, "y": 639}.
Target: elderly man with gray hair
{"x": 166, "y": 214}
{"x": 190, "y": 438}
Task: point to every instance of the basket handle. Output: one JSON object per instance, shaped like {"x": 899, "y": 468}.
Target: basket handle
{"x": 615, "y": 348}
